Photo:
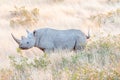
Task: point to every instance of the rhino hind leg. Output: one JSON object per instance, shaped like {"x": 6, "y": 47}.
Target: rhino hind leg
{"x": 79, "y": 46}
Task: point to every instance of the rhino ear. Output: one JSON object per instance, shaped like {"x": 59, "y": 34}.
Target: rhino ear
{"x": 23, "y": 37}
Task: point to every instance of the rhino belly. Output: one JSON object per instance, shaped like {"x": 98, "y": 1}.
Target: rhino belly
{"x": 64, "y": 44}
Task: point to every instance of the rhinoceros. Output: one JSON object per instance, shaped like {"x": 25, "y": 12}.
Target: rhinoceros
{"x": 50, "y": 40}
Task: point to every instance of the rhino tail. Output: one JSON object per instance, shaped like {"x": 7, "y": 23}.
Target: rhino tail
{"x": 88, "y": 36}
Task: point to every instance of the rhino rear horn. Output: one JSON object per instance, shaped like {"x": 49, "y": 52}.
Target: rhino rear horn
{"x": 18, "y": 41}
{"x": 27, "y": 31}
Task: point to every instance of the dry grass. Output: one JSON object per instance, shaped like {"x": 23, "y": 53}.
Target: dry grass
{"x": 5, "y": 74}
{"x": 22, "y": 16}
{"x": 110, "y": 17}
{"x": 99, "y": 60}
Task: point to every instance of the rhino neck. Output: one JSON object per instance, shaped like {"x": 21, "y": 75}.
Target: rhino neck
{"x": 38, "y": 36}
{"x": 36, "y": 42}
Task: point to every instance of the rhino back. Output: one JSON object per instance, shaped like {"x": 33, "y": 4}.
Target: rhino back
{"x": 59, "y": 39}
{"x": 67, "y": 39}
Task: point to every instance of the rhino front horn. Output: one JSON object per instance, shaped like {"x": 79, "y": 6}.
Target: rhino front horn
{"x": 18, "y": 41}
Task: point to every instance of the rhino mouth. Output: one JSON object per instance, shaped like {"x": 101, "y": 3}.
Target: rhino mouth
{"x": 23, "y": 48}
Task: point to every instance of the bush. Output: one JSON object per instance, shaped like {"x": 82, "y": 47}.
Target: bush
{"x": 22, "y": 16}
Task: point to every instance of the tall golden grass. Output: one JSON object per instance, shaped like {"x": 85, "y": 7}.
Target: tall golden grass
{"x": 98, "y": 61}
{"x": 22, "y": 16}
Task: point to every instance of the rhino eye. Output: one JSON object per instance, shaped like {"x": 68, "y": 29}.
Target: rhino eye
{"x": 27, "y": 42}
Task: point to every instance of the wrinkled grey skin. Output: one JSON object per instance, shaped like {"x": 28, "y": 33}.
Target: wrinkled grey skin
{"x": 50, "y": 40}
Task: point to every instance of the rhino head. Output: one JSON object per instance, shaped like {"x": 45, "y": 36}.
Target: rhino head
{"x": 26, "y": 42}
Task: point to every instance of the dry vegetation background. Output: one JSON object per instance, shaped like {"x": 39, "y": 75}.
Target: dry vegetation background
{"x": 99, "y": 61}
